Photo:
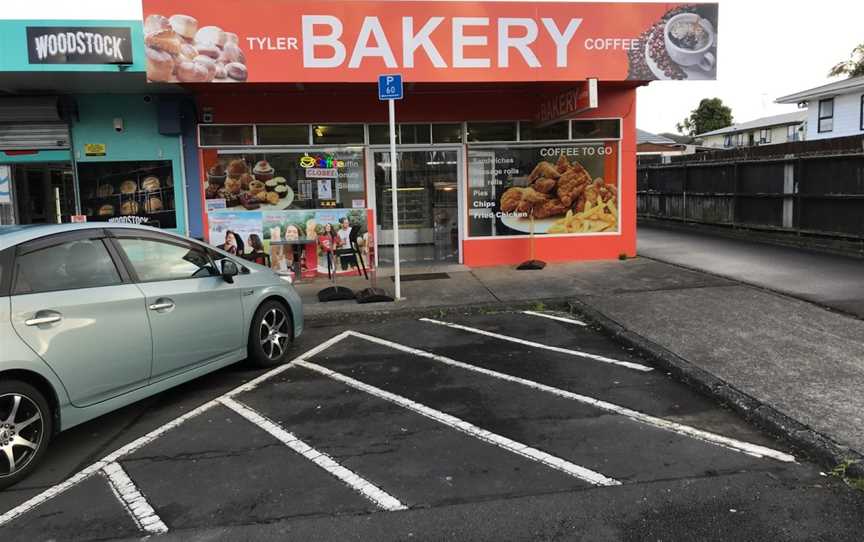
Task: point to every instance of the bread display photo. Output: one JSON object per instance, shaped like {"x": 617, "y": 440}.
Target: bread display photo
{"x": 178, "y": 49}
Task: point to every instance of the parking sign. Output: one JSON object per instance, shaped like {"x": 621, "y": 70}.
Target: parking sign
{"x": 390, "y": 87}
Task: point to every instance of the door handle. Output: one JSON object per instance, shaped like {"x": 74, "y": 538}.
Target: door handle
{"x": 161, "y": 305}
{"x": 46, "y": 318}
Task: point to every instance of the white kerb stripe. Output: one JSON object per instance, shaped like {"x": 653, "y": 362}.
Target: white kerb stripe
{"x": 88, "y": 471}
{"x": 366, "y": 488}
{"x": 733, "y": 444}
{"x": 554, "y": 317}
{"x": 132, "y": 499}
{"x": 595, "y": 357}
{"x": 524, "y": 450}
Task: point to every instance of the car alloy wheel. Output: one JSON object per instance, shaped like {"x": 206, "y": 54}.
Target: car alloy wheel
{"x": 22, "y": 432}
{"x": 274, "y": 333}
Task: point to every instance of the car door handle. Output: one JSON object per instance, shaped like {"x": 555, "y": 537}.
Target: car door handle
{"x": 161, "y": 305}
{"x": 46, "y": 318}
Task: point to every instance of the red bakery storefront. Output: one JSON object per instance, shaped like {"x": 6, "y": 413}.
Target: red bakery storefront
{"x": 516, "y": 116}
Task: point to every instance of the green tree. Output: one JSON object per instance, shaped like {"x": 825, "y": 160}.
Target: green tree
{"x": 854, "y": 67}
{"x": 710, "y": 115}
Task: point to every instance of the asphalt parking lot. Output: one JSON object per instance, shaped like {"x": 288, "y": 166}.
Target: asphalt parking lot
{"x": 495, "y": 426}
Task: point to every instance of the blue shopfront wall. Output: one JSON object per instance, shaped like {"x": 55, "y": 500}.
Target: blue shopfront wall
{"x": 13, "y": 47}
{"x": 94, "y": 111}
{"x": 139, "y": 140}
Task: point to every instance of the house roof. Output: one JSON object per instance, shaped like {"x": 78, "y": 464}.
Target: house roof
{"x": 794, "y": 117}
{"x": 647, "y": 137}
{"x": 853, "y": 84}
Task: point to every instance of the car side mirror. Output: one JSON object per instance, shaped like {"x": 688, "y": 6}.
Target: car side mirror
{"x": 229, "y": 270}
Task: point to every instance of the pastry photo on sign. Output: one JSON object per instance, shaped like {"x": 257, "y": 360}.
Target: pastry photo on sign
{"x": 180, "y": 50}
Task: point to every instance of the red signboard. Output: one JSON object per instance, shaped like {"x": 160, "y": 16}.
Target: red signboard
{"x": 347, "y": 41}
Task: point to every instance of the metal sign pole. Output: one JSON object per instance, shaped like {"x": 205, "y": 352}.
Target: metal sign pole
{"x": 393, "y": 194}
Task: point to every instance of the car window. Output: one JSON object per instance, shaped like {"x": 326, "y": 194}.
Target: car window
{"x": 160, "y": 260}
{"x": 77, "y": 264}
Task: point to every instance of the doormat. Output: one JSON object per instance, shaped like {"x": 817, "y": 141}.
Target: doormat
{"x": 423, "y": 276}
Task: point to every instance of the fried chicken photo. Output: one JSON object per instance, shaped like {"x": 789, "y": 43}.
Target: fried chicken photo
{"x": 544, "y": 169}
{"x": 522, "y": 200}
{"x": 511, "y": 198}
{"x": 563, "y": 164}
{"x": 572, "y": 183}
{"x": 544, "y": 185}
{"x": 550, "y": 207}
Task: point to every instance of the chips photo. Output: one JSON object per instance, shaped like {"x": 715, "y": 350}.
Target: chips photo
{"x": 598, "y": 217}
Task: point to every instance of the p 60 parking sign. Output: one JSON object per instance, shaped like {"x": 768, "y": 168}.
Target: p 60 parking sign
{"x": 389, "y": 87}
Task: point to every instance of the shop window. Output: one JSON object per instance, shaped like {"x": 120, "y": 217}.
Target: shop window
{"x": 826, "y": 115}
{"x": 491, "y": 131}
{"x": 155, "y": 260}
{"x": 530, "y": 131}
{"x": 379, "y": 134}
{"x": 596, "y": 129}
{"x": 406, "y": 134}
{"x": 447, "y": 133}
{"x": 223, "y": 135}
{"x": 337, "y": 134}
{"x": 862, "y": 112}
{"x": 128, "y": 192}
{"x": 414, "y": 134}
{"x": 68, "y": 266}
{"x": 560, "y": 188}
{"x": 274, "y": 181}
{"x": 282, "y": 134}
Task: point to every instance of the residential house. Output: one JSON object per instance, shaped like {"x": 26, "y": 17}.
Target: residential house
{"x": 783, "y": 128}
{"x": 833, "y": 110}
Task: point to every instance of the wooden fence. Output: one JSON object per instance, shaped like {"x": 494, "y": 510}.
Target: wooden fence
{"x": 814, "y": 187}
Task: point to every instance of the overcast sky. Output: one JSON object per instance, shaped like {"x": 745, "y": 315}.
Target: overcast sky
{"x": 767, "y": 49}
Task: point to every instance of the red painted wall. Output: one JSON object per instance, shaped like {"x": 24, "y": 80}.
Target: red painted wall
{"x": 442, "y": 103}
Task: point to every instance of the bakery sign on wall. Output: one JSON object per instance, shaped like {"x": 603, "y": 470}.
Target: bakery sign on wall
{"x": 346, "y": 41}
{"x": 79, "y": 45}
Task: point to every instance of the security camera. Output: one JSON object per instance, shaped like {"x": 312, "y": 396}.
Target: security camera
{"x": 118, "y": 125}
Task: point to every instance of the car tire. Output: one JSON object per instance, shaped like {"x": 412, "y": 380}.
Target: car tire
{"x": 25, "y": 417}
{"x": 270, "y": 335}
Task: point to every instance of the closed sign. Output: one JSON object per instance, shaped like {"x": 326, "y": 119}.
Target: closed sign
{"x": 79, "y": 45}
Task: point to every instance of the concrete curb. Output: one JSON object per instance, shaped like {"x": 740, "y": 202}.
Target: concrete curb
{"x": 395, "y": 311}
{"x": 820, "y": 447}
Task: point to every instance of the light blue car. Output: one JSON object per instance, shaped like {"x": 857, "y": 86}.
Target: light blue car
{"x": 96, "y": 316}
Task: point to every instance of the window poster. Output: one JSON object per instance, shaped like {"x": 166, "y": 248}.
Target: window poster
{"x": 554, "y": 189}
{"x": 295, "y": 241}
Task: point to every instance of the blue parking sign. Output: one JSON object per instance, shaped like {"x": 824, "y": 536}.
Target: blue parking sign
{"x": 390, "y": 87}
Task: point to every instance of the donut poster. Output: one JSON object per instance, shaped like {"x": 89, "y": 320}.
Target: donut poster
{"x": 200, "y": 41}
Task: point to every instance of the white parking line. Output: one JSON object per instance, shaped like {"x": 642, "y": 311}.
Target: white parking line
{"x": 754, "y": 450}
{"x": 595, "y": 357}
{"x": 554, "y": 317}
{"x": 524, "y": 450}
{"x": 90, "y": 470}
{"x": 366, "y": 488}
{"x": 132, "y": 499}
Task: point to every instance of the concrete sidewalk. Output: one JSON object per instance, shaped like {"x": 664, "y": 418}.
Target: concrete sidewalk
{"x": 790, "y": 365}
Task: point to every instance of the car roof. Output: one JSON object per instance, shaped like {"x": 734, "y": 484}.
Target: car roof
{"x": 15, "y": 235}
